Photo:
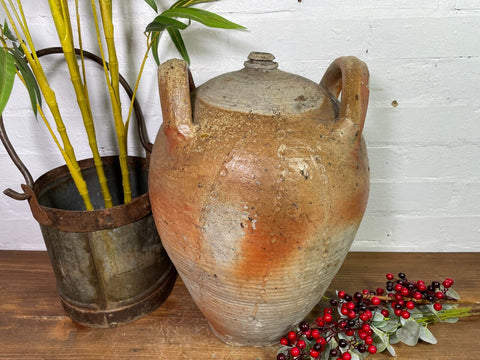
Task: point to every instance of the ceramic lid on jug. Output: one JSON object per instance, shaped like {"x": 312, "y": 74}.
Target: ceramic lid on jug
{"x": 262, "y": 89}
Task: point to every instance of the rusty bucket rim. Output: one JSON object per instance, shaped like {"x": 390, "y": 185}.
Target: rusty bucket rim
{"x": 91, "y": 220}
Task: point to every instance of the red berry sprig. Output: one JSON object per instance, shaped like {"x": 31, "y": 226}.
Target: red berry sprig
{"x": 351, "y": 332}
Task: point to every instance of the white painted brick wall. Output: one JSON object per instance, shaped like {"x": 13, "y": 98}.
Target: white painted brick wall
{"x": 424, "y": 153}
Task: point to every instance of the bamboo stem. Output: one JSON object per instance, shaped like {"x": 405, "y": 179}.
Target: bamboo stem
{"x": 61, "y": 17}
{"x": 120, "y": 127}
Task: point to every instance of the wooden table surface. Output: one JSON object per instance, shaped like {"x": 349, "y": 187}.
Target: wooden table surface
{"x": 34, "y": 326}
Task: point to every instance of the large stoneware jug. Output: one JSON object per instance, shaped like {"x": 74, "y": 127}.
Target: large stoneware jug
{"x": 258, "y": 182}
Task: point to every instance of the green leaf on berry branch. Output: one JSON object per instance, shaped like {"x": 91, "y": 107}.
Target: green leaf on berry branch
{"x": 409, "y": 333}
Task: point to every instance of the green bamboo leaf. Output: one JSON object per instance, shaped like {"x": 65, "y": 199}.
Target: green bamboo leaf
{"x": 7, "y": 77}
{"x": 30, "y": 83}
{"x": 152, "y": 4}
{"x": 160, "y": 23}
{"x": 156, "y": 41}
{"x": 179, "y": 44}
{"x": 204, "y": 17}
{"x": 30, "y": 80}
{"x": 7, "y": 32}
{"x": 187, "y": 3}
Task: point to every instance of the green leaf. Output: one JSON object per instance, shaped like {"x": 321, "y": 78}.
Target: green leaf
{"x": 450, "y": 320}
{"x": 394, "y": 339}
{"x": 187, "y": 3}
{"x": 204, "y": 17}
{"x": 152, "y": 4}
{"x": 427, "y": 336}
{"x": 179, "y": 44}
{"x": 391, "y": 350}
{"x": 7, "y": 32}
{"x": 30, "y": 80}
{"x": 381, "y": 339}
{"x": 7, "y": 77}
{"x": 453, "y": 294}
{"x": 155, "y": 42}
{"x": 377, "y": 316}
{"x": 409, "y": 333}
{"x": 161, "y": 22}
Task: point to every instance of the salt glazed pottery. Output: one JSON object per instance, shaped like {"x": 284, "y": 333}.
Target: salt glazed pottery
{"x": 258, "y": 182}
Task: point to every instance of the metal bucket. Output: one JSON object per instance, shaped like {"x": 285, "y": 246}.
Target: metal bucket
{"x": 110, "y": 265}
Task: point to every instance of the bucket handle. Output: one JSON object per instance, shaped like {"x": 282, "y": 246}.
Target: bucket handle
{"x": 142, "y": 132}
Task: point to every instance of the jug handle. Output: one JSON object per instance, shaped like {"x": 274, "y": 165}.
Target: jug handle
{"x": 350, "y": 76}
{"x": 175, "y": 83}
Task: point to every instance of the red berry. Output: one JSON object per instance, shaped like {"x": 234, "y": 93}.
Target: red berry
{"x": 369, "y": 340}
{"x": 389, "y": 276}
{"x": 362, "y": 334}
{"x": 398, "y": 287}
{"x": 446, "y": 283}
{"x": 380, "y": 291}
{"x": 372, "y": 349}
{"x": 346, "y": 356}
{"x": 405, "y": 314}
{"x": 439, "y": 295}
{"x": 385, "y": 312}
{"x": 327, "y": 318}
{"x": 321, "y": 341}
{"x": 437, "y": 306}
{"x": 405, "y": 291}
{"x": 410, "y": 305}
{"x": 315, "y": 333}
{"x": 314, "y": 353}
{"x": 284, "y": 341}
{"x": 366, "y": 327}
{"x": 399, "y": 297}
{"x": 327, "y": 311}
{"x": 364, "y": 317}
{"x": 344, "y": 310}
{"x": 320, "y": 321}
{"x": 341, "y": 294}
{"x": 352, "y": 314}
{"x": 350, "y": 305}
{"x": 350, "y": 332}
{"x": 398, "y": 312}
{"x": 301, "y": 344}
{"x": 292, "y": 335}
{"x": 417, "y": 295}
{"x": 375, "y": 301}
{"x": 295, "y": 351}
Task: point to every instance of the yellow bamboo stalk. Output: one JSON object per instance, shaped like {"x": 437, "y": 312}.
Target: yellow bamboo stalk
{"x": 76, "y": 174}
{"x": 115, "y": 102}
{"x": 42, "y": 81}
{"x": 61, "y": 17}
{"x": 74, "y": 171}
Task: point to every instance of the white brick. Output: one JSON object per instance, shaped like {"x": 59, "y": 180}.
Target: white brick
{"x": 402, "y": 125}
{"x": 419, "y": 37}
{"x": 418, "y": 233}
{"x": 420, "y": 198}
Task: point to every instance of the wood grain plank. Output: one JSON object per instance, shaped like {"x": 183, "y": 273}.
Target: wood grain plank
{"x": 34, "y": 326}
